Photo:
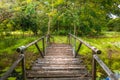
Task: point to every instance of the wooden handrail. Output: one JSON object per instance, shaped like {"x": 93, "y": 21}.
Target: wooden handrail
{"x": 86, "y": 44}
{"x": 21, "y": 58}
{"x": 104, "y": 66}
{"x": 6, "y": 75}
{"x": 22, "y": 48}
{"x": 95, "y": 58}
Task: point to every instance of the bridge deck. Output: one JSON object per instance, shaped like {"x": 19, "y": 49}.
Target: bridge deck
{"x": 58, "y": 64}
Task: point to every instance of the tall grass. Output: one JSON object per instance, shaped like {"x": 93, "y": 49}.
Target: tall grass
{"x": 109, "y": 45}
{"x": 8, "y": 52}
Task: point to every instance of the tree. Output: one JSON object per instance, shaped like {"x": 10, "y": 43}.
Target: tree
{"x": 81, "y": 17}
{"x": 26, "y": 17}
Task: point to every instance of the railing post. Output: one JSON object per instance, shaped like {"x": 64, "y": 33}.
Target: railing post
{"x": 7, "y": 74}
{"x": 78, "y": 49}
{"x": 69, "y": 41}
{"x": 48, "y": 38}
{"x": 74, "y": 47}
{"x": 39, "y": 50}
{"x": 43, "y": 43}
{"x": 93, "y": 67}
{"x": 23, "y": 66}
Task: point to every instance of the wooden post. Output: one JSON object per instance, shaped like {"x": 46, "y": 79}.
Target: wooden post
{"x": 69, "y": 39}
{"x": 74, "y": 47}
{"x": 74, "y": 29}
{"x": 43, "y": 46}
{"x": 48, "y": 39}
{"x": 78, "y": 49}
{"x": 105, "y": 68}
{"x": 93, "y": 67}
{"x": 7, "y": 74}
{"x": 23, "y": 66}
{"x": 49, "y": 25}
{"x": 39, "y": 50}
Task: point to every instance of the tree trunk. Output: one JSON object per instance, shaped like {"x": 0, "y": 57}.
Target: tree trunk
{"x": 74, "y": 29}
{"x": 49, "y": 23}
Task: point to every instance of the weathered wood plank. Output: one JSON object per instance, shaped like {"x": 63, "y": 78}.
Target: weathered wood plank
{"x": 58, "y": 68}
{"x": 67, "y": 78}
{"x": 57, "y": 74}
{"x": 58, "y": 59}
{"x": 58, "y": 64}
{"x": 59, "y": 56}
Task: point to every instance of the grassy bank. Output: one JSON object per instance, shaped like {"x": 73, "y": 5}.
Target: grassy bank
{"x": 109, "y": 44}
{"x": 8, "y": 52}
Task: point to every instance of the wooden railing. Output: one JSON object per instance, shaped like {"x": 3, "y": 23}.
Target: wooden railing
{"x": 21, "y": 57}
{"x": 95, "y": 58}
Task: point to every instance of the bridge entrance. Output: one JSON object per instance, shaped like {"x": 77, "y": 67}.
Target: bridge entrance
{"x": 59, "y": 61}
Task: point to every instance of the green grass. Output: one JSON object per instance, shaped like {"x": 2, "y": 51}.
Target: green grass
{"x": 109, "y": 45}
{"x": 8, "y": 52}
{"x": 60, "y": 39}
{"x": 9, "y": 45}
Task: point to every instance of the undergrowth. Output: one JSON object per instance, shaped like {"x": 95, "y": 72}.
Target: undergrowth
{"x": 110, "y": 47}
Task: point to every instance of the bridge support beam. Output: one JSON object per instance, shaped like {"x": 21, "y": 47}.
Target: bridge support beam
{"x": 93, "y": 67}
{"x": 78, "y": 49}
{"x": 43, "y": 44}
{"x": 23, "y": 67}
{"x": 39, "y": 50}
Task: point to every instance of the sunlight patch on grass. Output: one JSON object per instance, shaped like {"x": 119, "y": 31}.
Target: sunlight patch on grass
{"x": 117, "y": 44}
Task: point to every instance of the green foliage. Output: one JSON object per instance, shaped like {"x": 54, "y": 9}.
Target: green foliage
{"x": 108, "y": 45}
{"x": 89, "y": 17}
{"x": 114, "y": 24}
{"x": 110, "y": 52}
{"x": 60, "y": 39}
{"x": 9, "y": 45}
{"x": 12, "y": 78}
{"x": 84, "y": 17}
{"x": 8, "y": 52}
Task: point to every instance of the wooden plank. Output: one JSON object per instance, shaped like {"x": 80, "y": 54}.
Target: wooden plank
{"x": 59, "y": 59}
{"x": 59, "y": 53}
{"x": 70, "y": 64}
{"x": 59, "y": 63}
{"x": 67, "y": 78}
{"x": 57, "y": 68}
{"x": 60, "y": 56}
{"x": 59, "y": 47}
{"x": 56, "y": 74}
{"x": 58, "y": 71}
{"x": 63, "y": 51}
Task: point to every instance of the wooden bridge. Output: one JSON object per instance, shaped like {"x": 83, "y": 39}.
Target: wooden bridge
{"x": 59, "y": 61}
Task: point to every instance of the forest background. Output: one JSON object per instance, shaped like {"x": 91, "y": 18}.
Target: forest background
{"x": 96, "y": 21}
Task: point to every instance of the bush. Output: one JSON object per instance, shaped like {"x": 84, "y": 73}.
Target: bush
{"x": 114, "y": 25}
